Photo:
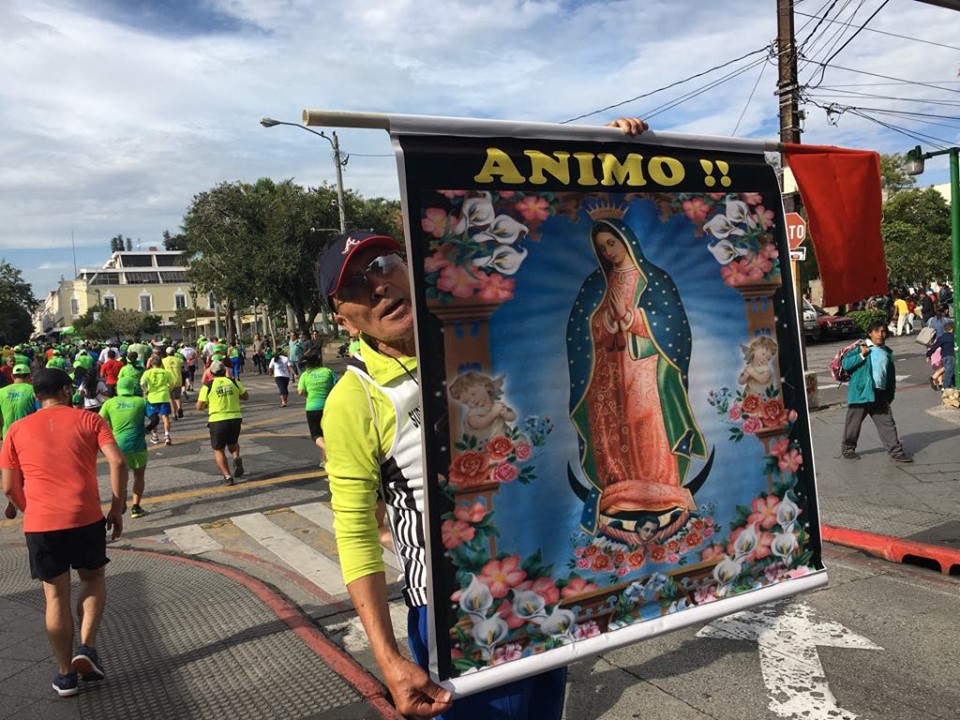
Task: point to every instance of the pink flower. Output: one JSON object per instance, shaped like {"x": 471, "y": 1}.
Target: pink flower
{"x": 762, "y": 549}
{"x": 577, "y": 552}
{"x": 673, "y": 558}
{"x": 435, "y": 262}
{"x": 790, "y": 462}
{"x": 470, "y": 513}
{"x": 711, "y": 551}
{"x": 764, "y": 512}
{"x": 621, "y": 571}
{"x": 504, "y": 472}
{"x": 454, "y": 193}
{"x": 544, "y": 587}
{"x": 769, "y": 251}
{"x": 506, "y": 653}
{"x": 499, "y": 447}
{"x": 497, "y": 288}
{"x": 506, "y": 194}
{"x": 717, "y": 196}
{"x": 457, "y": 281}
{"x": 533, "y": 208}
{"x": 524, "y": 451}
{"x": 798, "y": 572}
{"x": 588, "y": 629}
{"x": 577, "y": 586}
{"x": 751, "y": 198}
{"x": 735, "y": 273}
{"x": 792, "y": 416}
{"x": 705, "y": 594}
{"x": 763, "y": 216}
{"x": 774, "y": 572}
{"x": 735, "y": 412}
{"x": 455, "y": 533}
{"x": 708, "y": 532}
{"x": 506, "y": 612}
{"x": 751, "y": 426}
{"x": 502, "y": 575}
{"x": 780, "y": 448}
{"x": 696, "y": 209}
{"x": 435, "y": 222}
{"x": 758, "y": 266}
{"x": 582, "y": 564}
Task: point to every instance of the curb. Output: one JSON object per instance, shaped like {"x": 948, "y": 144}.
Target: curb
{"x": 342, "y": 664}
{"x": 893, "y": 549}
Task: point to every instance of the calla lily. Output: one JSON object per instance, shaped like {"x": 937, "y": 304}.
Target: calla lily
{"x": 504, "y": 229}
{"x": 561, "y": 623}
{"x": 746, "y": 542}
{"x": 476, "y": 599}
{"x": 477, "y": 212}
{"x": 738, "y": 212}
{"x": 487, "y": 633}
{"x": 504, "y": 259}
{"x": 787, "y": 512}
{"x": 721, "y": 228}
{"x": 528, "y": 605}
{"x": 784, "y": 545}
{"x": 725, "y": 251}
{"x": 727, "y": 571}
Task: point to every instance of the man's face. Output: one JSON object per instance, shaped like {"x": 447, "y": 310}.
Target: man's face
{"x": 878, "y": 335}
{"x": 383, "y": 310}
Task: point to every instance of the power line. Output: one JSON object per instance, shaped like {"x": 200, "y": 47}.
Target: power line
{"x": 666, "y": 87}
{"x": 890, "y": 77}
{"x": 853, "y": 93}
{"x": 884, "y": 32}
{"x": 670, "y": 104}
{"x": 823, "y": 66}
{"x": 747, "y": 104}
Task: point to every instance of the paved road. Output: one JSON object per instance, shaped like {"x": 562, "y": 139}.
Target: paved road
{"x": 874, "y": 644}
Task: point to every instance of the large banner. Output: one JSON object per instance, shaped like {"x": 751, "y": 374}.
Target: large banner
{"x": 615, "y": 425}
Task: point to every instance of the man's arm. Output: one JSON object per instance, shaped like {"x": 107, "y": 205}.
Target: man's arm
{"x": 118, "y": 487}
{"x": 13, "y": 487}
{"x": 414, "y": 693}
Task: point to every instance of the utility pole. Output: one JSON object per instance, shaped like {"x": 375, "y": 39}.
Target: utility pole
{"x": 339, "y": 163}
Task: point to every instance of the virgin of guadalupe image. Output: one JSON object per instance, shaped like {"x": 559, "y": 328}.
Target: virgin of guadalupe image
{"x": 628, "y": 350}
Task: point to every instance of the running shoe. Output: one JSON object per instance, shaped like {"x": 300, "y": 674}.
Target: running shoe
{"x": 228, "y": 480}
{"x": 179, "y": 413}
{"x": 87, "y": 663}
{"x": 167, "y": 440}
{"x": 10, "y": 512}
{"x": 136, "y": 512}
{"x": 154, "y": 438}
{"x": 238, "y": 467}
{"x": 66, "y": 685}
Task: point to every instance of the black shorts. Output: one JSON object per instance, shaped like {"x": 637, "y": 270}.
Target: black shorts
{"x": 54, "y": 552}
{"x": 313, "y": 422}
{"x": 224, "y": 432}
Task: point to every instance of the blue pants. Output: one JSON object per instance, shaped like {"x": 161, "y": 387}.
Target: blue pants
{"x": 536, "y": 698}
{"x": 949, "y": 368}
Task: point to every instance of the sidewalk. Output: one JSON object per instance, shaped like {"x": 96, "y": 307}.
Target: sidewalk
{"x": 180, "y": 638}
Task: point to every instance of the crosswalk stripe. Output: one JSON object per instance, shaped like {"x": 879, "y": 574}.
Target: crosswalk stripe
{"x": 192, "y": 539}
{"x": 355, "y": 638}
{"x": 314, "y": 566}
{"x": 321, "y": 515}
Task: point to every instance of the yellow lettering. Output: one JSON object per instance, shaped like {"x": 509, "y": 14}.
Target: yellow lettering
{"x": 585, "y": 166}
{"x": 557, "y": 166}
{"x": 665, "y": 170}
{"x": 628, "y": 172}
{"x": 499, "y": 164}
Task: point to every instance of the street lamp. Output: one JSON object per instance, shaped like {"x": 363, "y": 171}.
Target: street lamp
{"x": 914, "y": 166}
{"x": 340, "y": 163}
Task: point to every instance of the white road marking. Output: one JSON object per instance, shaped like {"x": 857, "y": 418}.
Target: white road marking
{"x": 192, "y": 539}
{"x": 788, "y": 636}
{"x": 314, "y": 566}
{"x": 322, "y": 515}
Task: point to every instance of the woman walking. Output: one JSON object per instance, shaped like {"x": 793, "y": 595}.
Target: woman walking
{"x": 280, "y": 365}
{"x": 315, "y": 383}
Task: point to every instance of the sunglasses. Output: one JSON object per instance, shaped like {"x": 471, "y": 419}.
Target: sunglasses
{"x": 358, "y": 285}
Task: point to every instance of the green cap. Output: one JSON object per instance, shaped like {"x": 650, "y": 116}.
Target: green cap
{"x": 21, "y": 370}
{"x": 126, "y": 386}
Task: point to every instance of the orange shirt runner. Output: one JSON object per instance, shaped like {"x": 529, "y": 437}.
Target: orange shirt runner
{"x": 56, "y": 450}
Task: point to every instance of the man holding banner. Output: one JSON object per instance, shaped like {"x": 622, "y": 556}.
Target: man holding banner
{"x": 372, "y": 428}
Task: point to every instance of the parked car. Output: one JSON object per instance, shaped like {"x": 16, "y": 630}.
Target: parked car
{"x": 827, "y": 326}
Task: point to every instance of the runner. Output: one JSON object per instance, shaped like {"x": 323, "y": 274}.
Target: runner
{"x": 173, "y": 364}
{"x": 156, "y": 389}
{"x": 110, "y": 370}
{"x": 222, "y": 396}
{"x": 315, "y": 382}
{"x": 190, "y": 365}
{"x": 280, "y": 365}
{"x": 126, "y": 414}
{"x": 16, "y": 402}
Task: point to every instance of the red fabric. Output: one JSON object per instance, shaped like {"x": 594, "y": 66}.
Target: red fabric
{"x": 56, "y": 450}
{"x": 840, "y": 189}
{"x": 110, "y": 370}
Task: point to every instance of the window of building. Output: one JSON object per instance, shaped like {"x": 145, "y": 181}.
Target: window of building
{"x": 179, "y": 301}
{"x": 74, "y": 306}
{"x": 136, "y": 260}
{"x": 142, "y": 278}
{"x": 211, "y": 302}
{"x": 109, "y": 302}
{"x": 146, "y": 303}
{"x": 106, "y": 278}
{"x": 173, "y": 276}
{"x": 167, "y": 260}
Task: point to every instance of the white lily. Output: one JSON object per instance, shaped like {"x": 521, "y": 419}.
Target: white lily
{"x": 783, "y": 546}
{"x": 476, "y": 599}
{"x": 721, "y": 228}
{"x": 727, "y": 571}
{"x": 787, "y": 512}
{"x": 528, "y": 605}
{"x": 477, "y": 212}
{"x": 504, "y": 229}
{"x": 561, "y": 623}
{"x": 738, "y": 212}
{"x": 487, "y": 633}
{"x": 504, "y": 259}
{"x": 746, "y": 542}
{"x": 725, "y": 251}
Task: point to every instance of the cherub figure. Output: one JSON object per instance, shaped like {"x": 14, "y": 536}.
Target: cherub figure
{"x": 487, "y": 415}
{"x": 757, "y": 373}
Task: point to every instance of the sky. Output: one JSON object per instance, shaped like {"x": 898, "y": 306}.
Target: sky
{"x": 115, "y": 113}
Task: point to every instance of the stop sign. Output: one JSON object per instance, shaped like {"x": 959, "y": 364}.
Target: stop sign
{"x": 796, "y": 229}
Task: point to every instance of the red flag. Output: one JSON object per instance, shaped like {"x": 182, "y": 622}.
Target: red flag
{"x": 840, "y": 189}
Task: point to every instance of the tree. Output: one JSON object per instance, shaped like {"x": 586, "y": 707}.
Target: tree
{"x": 893, "y": 176}
{"x": 916, "y": 237}
{"x": 174, "y": 242}
{"x": 16, "y": 304}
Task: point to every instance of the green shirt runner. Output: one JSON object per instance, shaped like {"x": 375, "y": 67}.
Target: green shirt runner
{"x": 316, "y": 382}
{"x": 16, "y": 401}
{"x": 126, "y": 415}
{"x": 222, "y": 395}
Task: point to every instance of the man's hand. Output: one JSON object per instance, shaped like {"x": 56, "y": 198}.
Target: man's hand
{"x": 115, "y": 522}
{"x": 629, "y": 125}
{"x": 864, "y": 350}
{"x": 414, "y": 693}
